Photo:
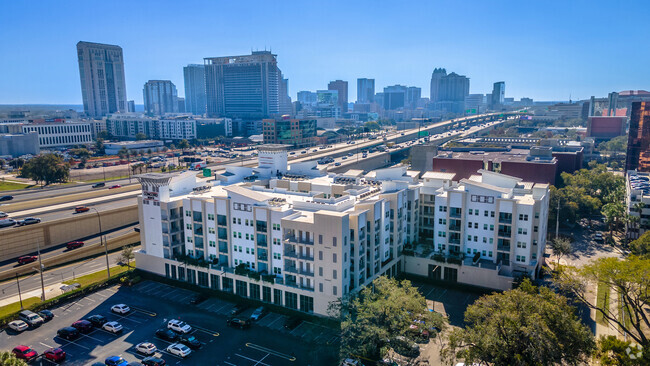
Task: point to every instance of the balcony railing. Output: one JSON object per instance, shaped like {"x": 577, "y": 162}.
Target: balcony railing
{"x": 505, "y": 248}
{"x": 297, "y": 240}
{"x": 505, "y": 234}
{"x": 454, "y": 227}
{"x": 299, "y": 271}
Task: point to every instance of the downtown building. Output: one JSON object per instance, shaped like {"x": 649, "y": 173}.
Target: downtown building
{"x": 194, "y": 81}
{"x": 160, "y": 97}
{"x": 129, "y": 125}
{"x": 300, "y": 238}
{"x": 101, "y": 70}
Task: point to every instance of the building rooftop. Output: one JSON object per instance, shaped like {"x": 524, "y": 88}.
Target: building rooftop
{"x": 438, "y": 175}
{"x": 514, "y": 155}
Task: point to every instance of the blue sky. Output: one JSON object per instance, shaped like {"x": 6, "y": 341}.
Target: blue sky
{"x": 546, "y": 50}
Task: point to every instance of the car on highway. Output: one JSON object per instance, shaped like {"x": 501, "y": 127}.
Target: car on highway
{"x": 179, "y": 326}
{"x": 67, "y": 333}
{"x": 7, "y": 222}
{"x": 6, "y": 198}
{"x": 153, "y": 361}
{"x": 24, "y": 353}
{"x": 179, "y": 349}
{"x": 98, "y": 185}
{"x": 74, "y": 244}
{"x": 167, "y": 335}
{"x": 116, "y": 361}
{"x": 97, "y": 320}
{"x": 337, "y": 164}
{"x": 28, "y": 221}
{"x": 146, "y": 348}
{"x": 115, "y": 186}
{"x": 113, "y": 327}
{"x": 80, "y": 209}
{"x": 27, "y": 259}
{"x": 238, "y": 323}
{"x": 120, "y": 309}
{"x": 83, "y": 326}
{"x": 3, "y": 215}
{"x": 34, "y": 320}
{"x": 190, "y": 341}
{"x": 46, "y": 315}
{"x": 18, "y": 326}
{"x": 54, "y": 354}
{"x": 258, "y": 313}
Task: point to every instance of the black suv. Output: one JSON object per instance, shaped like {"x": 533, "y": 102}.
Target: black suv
{"x": 68, "y": 333}
{"x": 97, "y": 320}
{"x": 237, "y": 309}
{"x": 238, "y": 323}
{"x": 190, "y": 341}
{"x": 153, "y": 361}
{"x": 167, "y": 335}
{"x": 97, "y": 185}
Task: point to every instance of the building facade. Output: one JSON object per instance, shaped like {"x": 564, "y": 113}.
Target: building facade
{"x": 101, "y": 70}
{"x": 294, "y": 132}
{"x": 637, "y": 203}
{"x": 160, "y": 97}
{"x": 498, "y": 95}
{"x": 638, "y": 142}
{"x": 128, "y": 125}
{"x": 342, "y": 88}
{"x": 194, "y": 82}
{"x": 365, "y": 91}
{"x": 61, "y": 134}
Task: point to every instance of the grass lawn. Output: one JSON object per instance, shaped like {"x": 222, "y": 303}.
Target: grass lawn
{"x": 602, "y": 301}
{"x": 102, "y": 179}
{"x": 12, "y": 308}
{"x": 10, "y": 186}
{"x": 624, "y": 313}
{"x": 99, "y": 275}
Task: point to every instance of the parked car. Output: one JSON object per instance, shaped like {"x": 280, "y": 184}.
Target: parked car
{"x": 167, "y": 335}
{"x": 197, "y": 299}
{"x": 115, "y": 186}
{"x": 238, "y": 323}
{"x": 98, "y": 185}
{"x": 74, "y": 244}
{"x": 83, "y": 326}
{"x": 7, "y": 222}
{"x": 80, "y": 209}
{"x": 115, "y": 361}
{"x": 24, "y": 353}
{"x": 153, "y": 361}
{"x": 258, "y": 313}
{"x": 27, "y": 259}
{"x": 6, "y": 198}
{"x": 292, "y": 323}
{"x": 28, "y": 221}
{"x": 18, "y": 326}
{"x": 55, "y": 354}
{"x": 179, "y": 326}
{"x": 179, "y": 349}
{"x": 120, "y": 308}
{"x": 146, "y": 348}
{"x": 238, "y": 308}
{"x": 97, "y": 320}
{"x": 46, "y": 315}
{"x": 68, "y": 333}
{"x": 190, "y": 341}
{"x": 113, "y": 327}
{"x": 31, "y": 318}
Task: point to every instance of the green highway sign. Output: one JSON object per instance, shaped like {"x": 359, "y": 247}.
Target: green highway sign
{"x": 424, "y": 133}
{"x": 207, "y": 172}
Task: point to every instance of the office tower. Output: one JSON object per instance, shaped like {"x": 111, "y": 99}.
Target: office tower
{"x": 295, "y": 132}
{"x": 453, "y": 88}
{"x": 394, "y": 97}
{"x": 160, "y": 97}
{"x": 245, "y": 86}
{"x": 474, "y": 104}
{"x": 327, "y": 104}
{"x": 307, "y": 98}
{"x": 413, "y": 95}
{"x": 498, "y": 94}
{"x": 436, "y": 76}
{"x": 181, "y": 105}
{"x": 365, "y": 90}
{"x": 101, "y": 70}
{"x": 131, "y": 106}
{"x": 612, "y": 104}
{"x": 638, "y": 141}
{"x": 342, "y": 87}
{"x": 286, "y": 108}
{"x": 194, "y": 80}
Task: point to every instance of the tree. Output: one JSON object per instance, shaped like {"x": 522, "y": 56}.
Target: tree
{"x": 8, "y": 359}
{"x": 617, "y": 144}
{"x": 103, "y": 135}
{"x": 380, "y": 312}
{"x": 630, "y": 278}
{"x": 614, "y": 213}
{"x": 641, "y": 246}
{"x": 614, "y": 351}
{"x": 123, "y": 152}
{"x": 149, "y": 151}
{"x": 47, "y": 168}
{"x": 183, "y": 144}
{"x": 126, "y": 256}
{"x": 140, "y": 136}
{"x": 99, "y": 146}
{"x": 524, "y": 326}
{"x": 561, "y": 247}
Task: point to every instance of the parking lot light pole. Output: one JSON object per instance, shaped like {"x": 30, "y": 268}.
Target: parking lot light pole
{"x": 20, "y": 297}
{"x": 99, "y": 220}
{"x": 40, "y": 268}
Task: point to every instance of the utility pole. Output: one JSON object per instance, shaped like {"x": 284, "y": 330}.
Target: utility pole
{"x": 557, "y": 219}
{"x": 99, "y": 220}
{"x": 40, "y": 268}
{"x": 20, "y": 297}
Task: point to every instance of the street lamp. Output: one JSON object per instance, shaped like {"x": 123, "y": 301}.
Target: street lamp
{"x": 99, "y": 220}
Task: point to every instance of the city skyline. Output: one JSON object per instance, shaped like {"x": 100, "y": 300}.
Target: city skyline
{"x": 531, "y": 69}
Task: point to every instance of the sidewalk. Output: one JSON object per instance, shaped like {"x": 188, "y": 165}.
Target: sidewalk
{"x": 51, "y": 291}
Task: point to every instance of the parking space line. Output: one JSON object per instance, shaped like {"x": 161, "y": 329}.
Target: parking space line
{"x": 208, "y": 331}
{"x": 169, "y": 353}
{"x": 253, "y": 360}
{"x": 219, "y": 310}
{"x": 232, "y": 364}
{"x": 46, "y": 345}
{"x": 72, "y": 342}
{"x": 429, "y": 293}
{"x": 270, "y": 351}
{"x": 298, "y": 327}
{"x": 147, "y": 312}
{"x": 93, "y": 338}
{"x": 185, "y": 298}
{"x": 275, "y": 320}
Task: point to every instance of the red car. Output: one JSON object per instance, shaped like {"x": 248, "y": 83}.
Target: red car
{"x": 83, "y": 326}
{"x": 80, "y": 209}
{"x": 115, "y": 186}
{"x": 27, "y": 259}
{"x": 24, "y": 353}
{"x": 55, "y": 354}
{"x": 74, "y": 244}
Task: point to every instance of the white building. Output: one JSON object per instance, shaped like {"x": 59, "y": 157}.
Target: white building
{"x": 302, "y": 239}
{"x": 637, "y": 202}
{"x": 60, "y": 134}
{"x": 142, "y": 146}
{"x": 128, "y": 125}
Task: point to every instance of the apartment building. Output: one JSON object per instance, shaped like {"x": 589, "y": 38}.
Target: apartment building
{"x": 298, "y": 237}
{"x": 637, "y": 203}
{"x": 60, "y": 134}
{"x": 128, "y": 125}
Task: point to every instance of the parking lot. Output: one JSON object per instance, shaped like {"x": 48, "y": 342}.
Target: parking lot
{"x": 448, "y": 301}
{"x": 266, "y": 343}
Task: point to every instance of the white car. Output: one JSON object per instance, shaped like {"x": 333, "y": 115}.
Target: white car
{"x": 146, "y": 348}
{"x": 120, "y": 308}
{"x": 179, "y": 326}
{"x": 113, "y": 327}
{"x": 18, "y": 325}
{"x": 179, "y": 349}
{"x": 3, "y": 215}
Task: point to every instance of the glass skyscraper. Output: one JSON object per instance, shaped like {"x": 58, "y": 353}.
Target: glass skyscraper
{"x": 160, "y": 97}
{"x": 101, "y": 70}
{"x": 194, "y": 80}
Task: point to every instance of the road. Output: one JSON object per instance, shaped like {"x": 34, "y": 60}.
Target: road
{"x": 32, "y": 194}
{"x": 50, "y": 277}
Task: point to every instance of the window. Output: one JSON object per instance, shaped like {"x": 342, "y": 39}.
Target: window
{"x": 320, "y": 239}
{"x": 320, "y": 255}
{"x": 211, "y": 230}
{"x": 469, "y": 238}
{"x": 188, "y": 226}
{"x": 469, "y": 251}
{"x": 469, "y": 225}
{"x": 471, "y": 212}
{"x": 277, "y": 297}
{"x": 490, "y": 254}
{"x": 476, "y": 225}
{"x": 234, "y": 220}
{"x": 291, "y": 300}
{"x": 485, "y": 213}
{"x": 334, "y": 292}
{"x": 476, "y": 238}
{"x": 188, "y": 213}
{"x": 535, "y": 229}
{"x": 320, "y": 271}
{"x": 491, "y": 240}
{"x": 320, "y": 287}
{"x": 266, "y": 294}
{"x": 334, "y": 241}
{"x": 491, "y": 213}
{"x": 534, "y": 256}
{"x": 211, "y": 217}
{"x": 485, "y": 226}
{"x": 307, "y": 304}
{"x": 212, "y": 243}
{"x": 537, "y": 215}
{"x": 334, "y": 274}
{"x": 484, "y": 240}
{"x": 491, "y": 227}
{"x": 442, "y": 208}
{"x": 333, "y": 257}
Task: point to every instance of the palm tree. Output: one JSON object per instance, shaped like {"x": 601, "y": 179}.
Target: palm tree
{"x": 8, "y": 359}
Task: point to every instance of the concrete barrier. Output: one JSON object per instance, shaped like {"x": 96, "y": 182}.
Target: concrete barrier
{"x": 18, "y": 241}
{"x": 44, "y": 202}
{"x": 74, "y": 255}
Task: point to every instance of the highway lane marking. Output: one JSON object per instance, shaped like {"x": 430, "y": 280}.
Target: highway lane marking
{"x": 270, "y": 351}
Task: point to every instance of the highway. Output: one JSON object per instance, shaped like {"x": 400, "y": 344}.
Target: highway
{"x": 37, "y": 193}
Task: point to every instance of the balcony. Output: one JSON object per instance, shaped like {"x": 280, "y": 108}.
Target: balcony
{"x": 503, "y": 247}
{"x": 298, "y": 271}
{"x": 505, "y": 234}
{"x": 454, "y": 227}
{"x": 297, "y": 240}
